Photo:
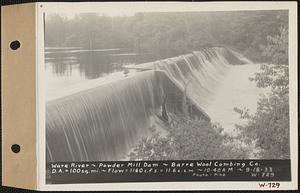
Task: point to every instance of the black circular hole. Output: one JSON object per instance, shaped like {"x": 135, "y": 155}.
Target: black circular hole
{"x": 16, "y": 148}
{"x": 14, "y": 45}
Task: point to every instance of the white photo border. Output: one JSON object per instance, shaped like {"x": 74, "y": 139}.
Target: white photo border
{"x": 56, "y": 7}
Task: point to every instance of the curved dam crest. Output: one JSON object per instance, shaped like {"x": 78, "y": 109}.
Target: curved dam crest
{"x": 105, "y": 120}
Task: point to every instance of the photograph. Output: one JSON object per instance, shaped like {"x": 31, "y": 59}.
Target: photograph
{"x": 134, "y": 96}
{"x": 150, "y": 96}
{"x": 167, "y": 85}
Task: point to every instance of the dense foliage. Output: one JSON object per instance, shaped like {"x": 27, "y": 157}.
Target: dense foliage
{"x": 188, "y": 139}
{"x": 269, "y": 126}
{"x": 166, "y": 34}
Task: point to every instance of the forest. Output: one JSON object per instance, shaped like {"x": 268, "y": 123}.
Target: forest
{"x": 167, "y": 34}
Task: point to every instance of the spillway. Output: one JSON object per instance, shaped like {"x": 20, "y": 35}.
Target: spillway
{"x": 199, "y": 73}
{"x": 104, "y": 121}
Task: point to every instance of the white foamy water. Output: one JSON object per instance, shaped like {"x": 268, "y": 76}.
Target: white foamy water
{"x": 236, "y": 90}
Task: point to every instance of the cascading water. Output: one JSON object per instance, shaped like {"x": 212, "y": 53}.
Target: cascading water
{"x": 240, "y": 57}
{"x": 216, "y": 80}
{"x": 103, "y": 122}
{"x": 199, "y": 73}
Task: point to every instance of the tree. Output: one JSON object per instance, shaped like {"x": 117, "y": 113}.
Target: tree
{"x": 188, "y": 140}
{"x": 55, "y": 30}
{"x": 269, "y": 126}
{"x": 167, "y": 34}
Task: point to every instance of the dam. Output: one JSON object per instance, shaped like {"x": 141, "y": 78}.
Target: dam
{"x": 101, "y": 120}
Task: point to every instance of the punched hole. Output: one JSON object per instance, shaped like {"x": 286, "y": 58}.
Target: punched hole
{"x": 14, "y": 45}
{"x": 15, "y": 148}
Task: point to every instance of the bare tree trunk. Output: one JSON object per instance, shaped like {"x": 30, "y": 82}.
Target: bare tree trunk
{"x": 184, "y": 100}
{"x": 164, "y": 110}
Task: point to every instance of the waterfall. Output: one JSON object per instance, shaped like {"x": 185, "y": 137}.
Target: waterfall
{"x": 242, "y": 58}
{"x": 103, "y": 122}
{"x": 200, "y": 73}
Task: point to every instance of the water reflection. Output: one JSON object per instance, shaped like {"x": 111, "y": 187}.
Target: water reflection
{"x": 90, "y": 64}
{"x": 60, "y": 65}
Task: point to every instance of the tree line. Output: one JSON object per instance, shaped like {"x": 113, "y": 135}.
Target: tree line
{"x": 167, "y": 34}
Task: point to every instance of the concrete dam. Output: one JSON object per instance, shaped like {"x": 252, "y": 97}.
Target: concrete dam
{"x": 103, "y": 121}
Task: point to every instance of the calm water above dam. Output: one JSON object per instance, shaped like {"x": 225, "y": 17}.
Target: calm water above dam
{"x": 65, "y": 67}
